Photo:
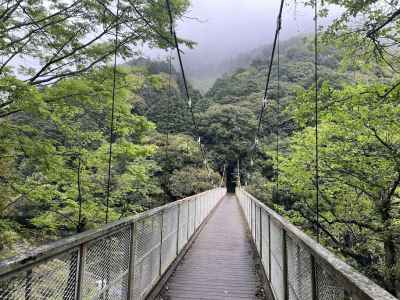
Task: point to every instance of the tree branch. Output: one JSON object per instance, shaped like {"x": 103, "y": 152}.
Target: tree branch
{"x": 372, "y": 33}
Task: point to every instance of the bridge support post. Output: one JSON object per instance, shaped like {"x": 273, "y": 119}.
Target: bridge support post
{"x": 81, "y": 270}
{"x": 178, "y": 230}
{"x": 195, "y": 214}
{"x": 260, "y": 237}
{"x": 251, "y": 217}
{"x": 131, "y": 270}
{"x": 161, "y": 243}
{"x": 28, "y": 285}
{"x": 314, "y": 284}
{"x": 285, "y": 265}
{"x": 269, "y": 248}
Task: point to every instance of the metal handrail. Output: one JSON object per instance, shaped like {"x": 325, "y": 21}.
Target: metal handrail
{"x": 299, "y": 267}
{"x": 43, "y": 252}
{"x": 100, "y": 263}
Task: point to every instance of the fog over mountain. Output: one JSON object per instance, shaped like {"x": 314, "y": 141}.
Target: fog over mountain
{"x": 224, "y": 29}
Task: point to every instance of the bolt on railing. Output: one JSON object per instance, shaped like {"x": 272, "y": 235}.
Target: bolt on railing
{"x": 122, "y": 260}
{"x": 296, "y": 266}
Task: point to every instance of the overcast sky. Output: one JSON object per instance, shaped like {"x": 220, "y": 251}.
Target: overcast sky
{"x": 225, "y": 28}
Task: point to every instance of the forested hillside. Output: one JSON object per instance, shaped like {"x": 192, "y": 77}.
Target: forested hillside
{"x": 91, "y": 133}
{"x": 59, "y": 117}
{"x": 358, "y": 148}
{"x": 53, "y": 184}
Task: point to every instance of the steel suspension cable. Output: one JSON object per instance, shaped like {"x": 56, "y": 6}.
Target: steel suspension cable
{"x": 167, "y": 179}
{"x": 316, "y": 115}
{"x": 264, "y": 101}
{"x": 189, "y": 101}
{"x": 78, "y": 183}
{"x": 277, "y": 121}
{"x": 111, "y": 142}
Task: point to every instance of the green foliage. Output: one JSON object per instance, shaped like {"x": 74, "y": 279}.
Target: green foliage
{"x": 69, "y": 38}
{"x": 359, "y": 171}
{"x": 64, "y": 135}
{"x": 162, "y": 98}
{"x": 358, "y": 145}
{"x": 227, "y": 130}
{"x": 189, "y": 181}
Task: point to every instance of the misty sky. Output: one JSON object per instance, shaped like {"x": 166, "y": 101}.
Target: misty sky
{"x": 223, "y": 29}
{"x": 228, "y": 27}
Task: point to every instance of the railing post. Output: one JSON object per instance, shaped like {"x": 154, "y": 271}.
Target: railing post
{"x": 269, "y": 248}
{"x": 70, "y": 288}
{"x": 188, "y": 219}
{"x": 195, "y": 214}
{"x": 285, "y": 264}
{"x": 131, "y": 270}
{"x": 251, "y": 217}
{"x": 81, "y": 271}
{"x": 260, "y": 237}
{"x": 161, "y": 242}
{"x": 314, "y": 285}
{"x": 28, "y": 285}
{"x": 178, "y": 231}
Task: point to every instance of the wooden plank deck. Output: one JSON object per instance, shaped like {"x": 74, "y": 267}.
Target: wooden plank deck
{"x": 220, "y": 264}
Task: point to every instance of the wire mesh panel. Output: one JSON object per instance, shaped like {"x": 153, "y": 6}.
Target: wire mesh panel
{"x": 106, "y": 266}
{"x": 147, "y": 254}
{"x": 98, "y": 263}
{"x": 54, "y": 279}
{"x": 183, "y": 225}
{"x": 169, "y": 234}
{"x": 327, "y": 286}
{"x": 198, "y": 212}
{"x": 277, "y": 260}
{"x": 289, "y": 256}
{"x": 201, "y": 208}
{"x": 257, "y": 228}
{"x": 192, "y": 214}
{"x": 265, "y": 242}
{"x": 249, "y": 204}
{"x": 299, "y": 271}
{"x": 253, "y": 219}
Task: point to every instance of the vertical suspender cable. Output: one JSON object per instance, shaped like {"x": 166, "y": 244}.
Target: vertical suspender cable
{"x": 277, "y": 122}
{"x": 79, "y": 227}
{"x": 264, "y": 101}
{"x": 112, "y": 114}
{"x": 167, "y": 179}
{"x": 316, "y": 112}
{"x": 196, "y": 128}
{"x": 278, "y": 28}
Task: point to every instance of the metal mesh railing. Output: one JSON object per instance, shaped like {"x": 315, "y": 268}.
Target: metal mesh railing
{"x": 297, "y": 267}
{"x": 122, "y": 260}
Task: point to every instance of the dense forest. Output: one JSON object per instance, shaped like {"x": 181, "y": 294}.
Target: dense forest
{"x": 55, "y": 127}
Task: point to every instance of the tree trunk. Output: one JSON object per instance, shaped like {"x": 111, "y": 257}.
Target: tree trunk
{"x": 390, "y": 251}
{"x": 392, "y": 282}
{"x": 231, "y": 177}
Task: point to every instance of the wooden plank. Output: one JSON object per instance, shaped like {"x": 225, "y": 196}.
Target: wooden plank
{"x": 220, "y": 264}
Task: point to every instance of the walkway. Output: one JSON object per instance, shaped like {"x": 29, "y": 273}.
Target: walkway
{"x": 220, "y": 263}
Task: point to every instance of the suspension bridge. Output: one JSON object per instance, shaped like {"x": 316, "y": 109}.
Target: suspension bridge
{"x": 209, "y": 246}
{"x": 213, "y": 245}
